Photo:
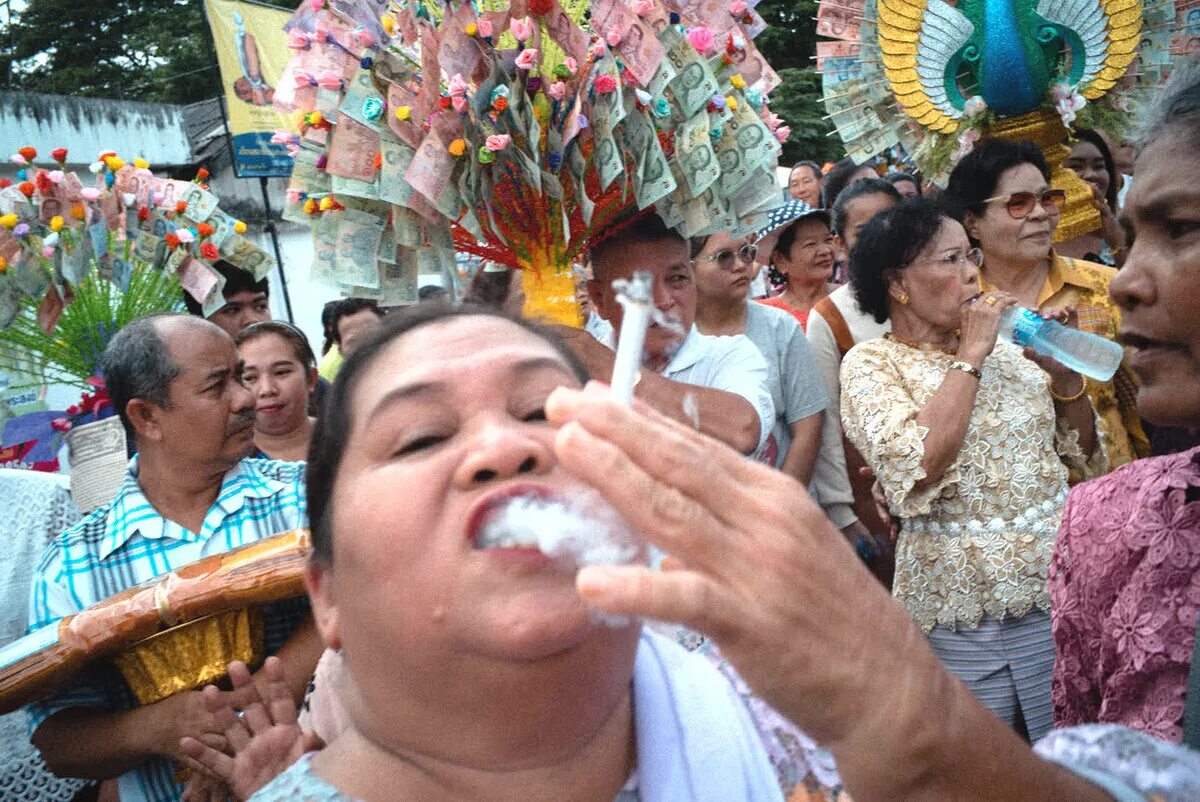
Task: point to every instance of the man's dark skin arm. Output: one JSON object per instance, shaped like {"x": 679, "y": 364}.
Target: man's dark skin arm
{"x": 98, "y": 744}
{"x": 725, "y": 416}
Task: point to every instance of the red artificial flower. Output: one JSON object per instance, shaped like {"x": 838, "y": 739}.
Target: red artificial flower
{"x": 144, "y": 214}
{"x": 540, "y": 8}
{"x": 202, "y": 174}
{"x": 26, "y": 189}
{"x": 43, "y": 182}
{"x": 500, "y": 103}
{"x": 210, "y": 252}
{"x": 5, "y": 183}
{"x": 172, "y": 240}
{"x": 181, "y": 207}
{"x": 73, "y": 410}
{"x": 378, "y": 160}
{"x": 29, "y": 153}
{"x": 443, "y": 102}
{"x": 59, "y": 155}
{"x": 204, "y": 230}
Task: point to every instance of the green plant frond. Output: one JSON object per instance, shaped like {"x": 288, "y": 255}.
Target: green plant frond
{"x": 71, "y": 352}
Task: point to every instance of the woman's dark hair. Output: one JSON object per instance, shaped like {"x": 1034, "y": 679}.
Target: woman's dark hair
{"x": 292, "y": 335}
{"x": 1110, "y": 167}
{"x": 888, "y": 243}
{"x": 787, "y": 238}
{"x": 327, "y": 313}
{"x": 975, "y": 178}
{"x": 351, "y": 306}
{"x": 838, "y": 178}
{"x": 859, "y": 189}
{"x": 898, "y": 177}
{"x": 489, "y": 288}
{"x": 332, "y": 433}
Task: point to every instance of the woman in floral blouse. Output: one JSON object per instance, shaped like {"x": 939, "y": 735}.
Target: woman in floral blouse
{"x": 1125, "y": 580}
{"x": 971, "y": 442}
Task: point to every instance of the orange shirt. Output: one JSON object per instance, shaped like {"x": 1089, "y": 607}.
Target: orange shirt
{"x": 777, "y": 302}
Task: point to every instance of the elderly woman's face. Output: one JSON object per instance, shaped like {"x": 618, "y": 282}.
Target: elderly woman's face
{"x": 810, "y": 259}
{"x": 1003, "y": 238}
{"x": 445, "y": 424}
{"x": 940, "y": 280}
{"x": 1158, "y": 289}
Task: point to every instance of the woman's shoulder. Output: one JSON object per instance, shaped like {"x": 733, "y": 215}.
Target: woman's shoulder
{"x": 1141, "y": 482}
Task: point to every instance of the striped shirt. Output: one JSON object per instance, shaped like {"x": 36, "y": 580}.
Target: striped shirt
{"x": 127, "y": 543}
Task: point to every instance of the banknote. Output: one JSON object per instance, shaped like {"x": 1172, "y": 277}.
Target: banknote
{"x": 306, "y": 178}
{"x": 695, "y": 156}
{"x": 98, "y": 233}
{"x": 458, "y": 53}
{"x": 175, "y": 260}
{"x": 398, "y": 279}
{"x": 324, "y": 235}
{"x": 694, "y": 84}
{"x": 408, "y": 130}
{"x": 570, "y": 37}
{"x": 362, "y": 96}
{"x": 353, "y": 150}
{"x": 200, "y": 202}
{"x": 198, "y": 279}
{"x": 429, "y": 67}
{"x": 406, "y": 227}
{"x": 662, "y": 76}
{"x": 606, "y": 156}
{"x": 358, "y": 236}
{"x": 431, "y": 167}
{"x": 840, "y": 20}
{"x": 76, "y": 260}
{"x": 837, "y": 50}
{"x": 149, "y": 249}
{"x": 245, "y": 255}
{"x": 352, "y": 187}
{"x": 745, "y": 145}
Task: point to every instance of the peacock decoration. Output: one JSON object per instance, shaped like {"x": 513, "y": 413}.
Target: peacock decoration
{"x": 935, "y": 77}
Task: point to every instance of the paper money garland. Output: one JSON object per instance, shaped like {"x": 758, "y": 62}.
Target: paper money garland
{"x": 519, "y": 132}
{"x": 936, "y": 77}
{"x": 56, "y": 228}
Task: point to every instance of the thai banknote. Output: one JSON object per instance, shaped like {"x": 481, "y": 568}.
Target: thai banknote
{"x": 149, "y": 249}
{"x": 353, "y": 150}
{"x": 398, "y": 279}
{"x": 358, "y": 236}
{"x": 362, "y": 101}
{"x": 245, "y": 255}
{"x": 694, "y": 154}
{"x": 325, "y": 241}
{"x": 694, "y": 84}
{"x": 840, "y": 20}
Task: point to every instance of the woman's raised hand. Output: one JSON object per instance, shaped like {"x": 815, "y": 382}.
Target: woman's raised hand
{"x": 980, "y": 325}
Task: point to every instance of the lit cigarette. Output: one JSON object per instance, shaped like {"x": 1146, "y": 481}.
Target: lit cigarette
{"x": 637, "y": 296}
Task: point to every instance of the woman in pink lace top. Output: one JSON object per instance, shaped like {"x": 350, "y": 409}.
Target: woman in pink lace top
{"x": 1125, "y": 577}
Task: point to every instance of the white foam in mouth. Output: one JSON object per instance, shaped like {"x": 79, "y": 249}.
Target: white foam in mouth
{"x": 586, "y": 532}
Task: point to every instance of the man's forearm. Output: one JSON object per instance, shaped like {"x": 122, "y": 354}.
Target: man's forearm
{"x": 725, "y": 416}
{"x": 98, "y": 744}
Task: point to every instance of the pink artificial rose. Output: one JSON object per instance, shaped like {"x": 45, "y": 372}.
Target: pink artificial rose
{"x": 298, "y": 40}
{"x": 527, "y": 60}
{"x": 782, "y": 133}
{"x": 522, "y": 29}
{"x": 737, "y": 8}
{"x": 497, "y": 142}
{"x": 485, "y": 28}
{"x": 293, "y": 196}
{"x": 364, "y": 37}
{"x": 55, "y": 176}
{"x": 700, "y": 38}
{"x": 613, "y": 38}
{"x": 89, "y": 193}
{"x": 328, "y": 79}
{"x": 605, "y": 84}
{"x": 317, "y": 5}
{"x": 643, "y": 8}
{"x": 571, "y": 65}
{"x": 302, "y": 79}
{"x": 48, "y": 251}
{"x": 457, "y": 86}
{"x": 460, "y": 104}
{"x": 557, "y": 90}
{"x": 185, "y": 235}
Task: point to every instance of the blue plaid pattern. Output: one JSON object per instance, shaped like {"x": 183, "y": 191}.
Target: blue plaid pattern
{"x": 127, "y": 543}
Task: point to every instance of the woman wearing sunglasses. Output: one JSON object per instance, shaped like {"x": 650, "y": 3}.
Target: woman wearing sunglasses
{"x": 802, "y": 262}
{"x": 723, "y": 268}
{"x": 1009, "y": 210}
{"x": 971, "y": 443}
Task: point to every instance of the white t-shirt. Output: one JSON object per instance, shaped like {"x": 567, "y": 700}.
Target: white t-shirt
{"x": 731, "y": 364}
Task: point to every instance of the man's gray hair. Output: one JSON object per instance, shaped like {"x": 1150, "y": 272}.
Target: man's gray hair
{"x": 137, "y": 364}
{"x": 1178, "y": 104}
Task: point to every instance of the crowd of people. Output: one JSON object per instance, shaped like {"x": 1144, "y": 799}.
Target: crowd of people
{"x": 893, "y": 551}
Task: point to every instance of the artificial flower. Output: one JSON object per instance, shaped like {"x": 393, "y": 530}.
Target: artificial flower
{"x": 500, "y": 103}
{"x": 403, "y": 113}
{"x": 731, "y": 101}
{"x": 974, "y": 106}
{"x": 457, "y": 147}
{"x": 701, "y": 39}
{"x": 89, "y": 193}
{"x": 17, "y": 158}
{"x": 239, "y": 227}
{"x": 9, "y": 220}
{"x": 5, "y": 183}
{"x": 527, "y": 59}
{"x": 643, "y": 8}
{"x": 540, "y": 8}
{"x": 497, "y": 142}
{"x": 56, "y": 223}
{"x": 29, "y": 153}
{"x": 328, "y": 79}
{"x": 144, "y": 214}
{"x": 59, "y": 155}
{"x": 388, "y": 22}
{"x": 456, "y": 85}
{"x": 613, "y": 37}
{"x": 202, "y": 174}
{"x": 471, "y": 29}
{"x": 485, "y": 28}
{"x": 557, "y": 90}
{"x": 737, "y": 81}
{"x": 204, "y": 230}
{"x": 27, "y": 189}
{"x": 181, "y": 206}
{"x": 113, "y": 163}
{"x": 363, "y": 36}
{"x": 51, "y": 239}
{"x": 47, "y": 250}
{"x": 737, "y": 8}
{"x": 78, "y": 212}
{"x": 56, "y": 176}
{"x": 522, "y": 29}
{"x": 485, "y": 156}
{"x": 605, "y": 84}
{"x": 459, "y": 103}
{"x": 185, "y": 235}
{"x": 172, "y": 240}
{"x": 311, "y": 206}
{"x": 782, "y": 133}
{"x": 209, "y": 251}
{"x": 298, "y": 40}
{"x": 3, "y": 264}
{"x": 21, "y": 230}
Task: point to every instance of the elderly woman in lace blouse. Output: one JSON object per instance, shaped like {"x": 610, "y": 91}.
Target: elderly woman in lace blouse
{"x": 971, "y": 442}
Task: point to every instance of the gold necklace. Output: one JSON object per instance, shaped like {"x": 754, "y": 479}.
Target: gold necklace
{"x": 922, "y": 346}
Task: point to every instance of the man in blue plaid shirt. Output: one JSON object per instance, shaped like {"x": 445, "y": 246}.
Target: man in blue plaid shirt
{"x": 175, "y": 380}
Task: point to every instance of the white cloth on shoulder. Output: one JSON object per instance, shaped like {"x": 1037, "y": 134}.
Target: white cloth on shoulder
{"x": 695, "y": 738}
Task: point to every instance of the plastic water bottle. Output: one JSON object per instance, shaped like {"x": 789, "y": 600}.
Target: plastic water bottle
{"x": 1083, "y": 352}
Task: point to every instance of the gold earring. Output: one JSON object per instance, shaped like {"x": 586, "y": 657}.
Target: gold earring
{"x": 902, "y": 299}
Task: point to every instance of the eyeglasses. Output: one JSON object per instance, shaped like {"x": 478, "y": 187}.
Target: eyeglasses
{"x": 724, "y": 259}
{"x": 1020, "y": 204}
{"x": 957, "y": 259}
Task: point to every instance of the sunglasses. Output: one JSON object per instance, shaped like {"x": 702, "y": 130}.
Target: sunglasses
{"x": 1020, "y": 204}
{"x": 724, "y": 259}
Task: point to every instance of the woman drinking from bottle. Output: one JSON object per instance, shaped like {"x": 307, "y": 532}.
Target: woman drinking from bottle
{"x": 971, "y": 444}
{"x": 1010, "y": 212}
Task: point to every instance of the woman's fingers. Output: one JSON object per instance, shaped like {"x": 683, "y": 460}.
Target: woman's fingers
{"x": 218, "y": 763}
{"x": 680, "y": 596}
{"x": 280, "y": 705}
